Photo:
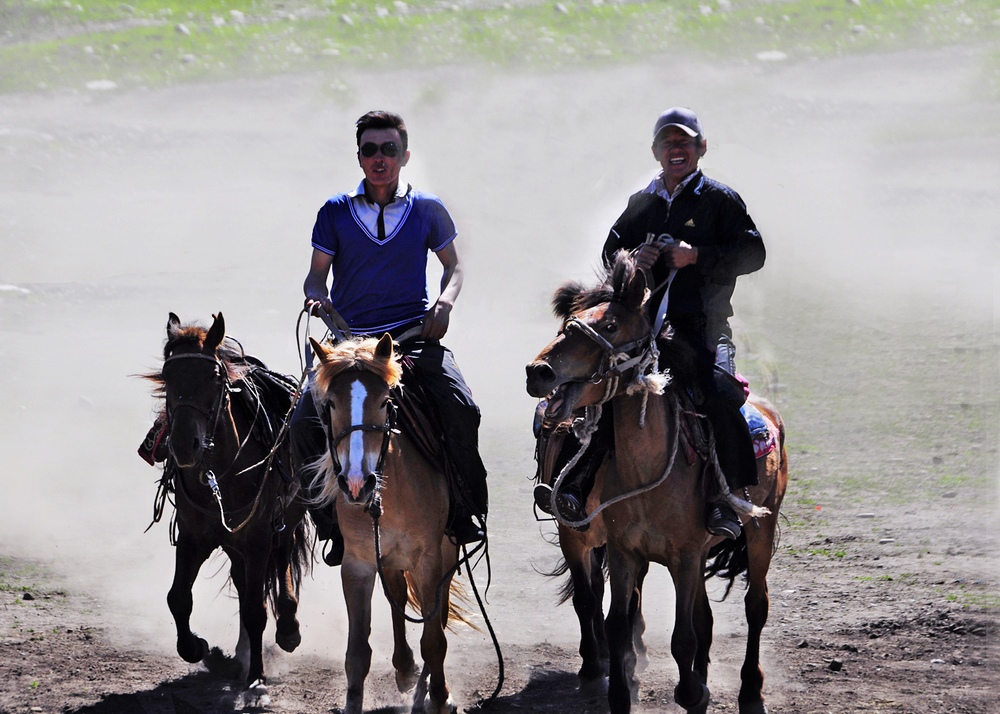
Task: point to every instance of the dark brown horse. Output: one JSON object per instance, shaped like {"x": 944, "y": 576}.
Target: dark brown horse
{"x": 653, "y": 499}
{"x": 224, "y": 413}
{"x": 392, "y": 506}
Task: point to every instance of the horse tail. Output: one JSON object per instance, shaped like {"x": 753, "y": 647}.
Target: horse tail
{"x": 459, "y": 604}
{"x": 567, "y": 590}
{"x": 728, "y": 560}
{"x": 299, "y": 563}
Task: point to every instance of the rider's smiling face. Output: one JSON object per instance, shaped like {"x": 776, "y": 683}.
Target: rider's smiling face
{"x": 678, "y": 154}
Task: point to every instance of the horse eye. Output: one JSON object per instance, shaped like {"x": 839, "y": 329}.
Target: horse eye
{"x": 611, "y": 327}
{"x": 385, "y": 404}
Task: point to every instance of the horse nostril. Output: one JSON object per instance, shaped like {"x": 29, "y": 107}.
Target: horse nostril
{"x": 540, "y": 372}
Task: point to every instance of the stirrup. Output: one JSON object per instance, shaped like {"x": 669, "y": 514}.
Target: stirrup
{"x": 542, "y": 494}
{"x": 721, "y": 520}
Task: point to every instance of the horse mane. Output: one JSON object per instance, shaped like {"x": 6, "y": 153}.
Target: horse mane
{"x": 357, "y": 354}
{"x": 573, "y": 296}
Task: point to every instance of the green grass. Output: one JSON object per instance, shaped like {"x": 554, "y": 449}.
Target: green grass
{"x": 52, "y": 43}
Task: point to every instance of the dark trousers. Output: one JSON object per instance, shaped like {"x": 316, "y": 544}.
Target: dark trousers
{"x": 721, "y": 406}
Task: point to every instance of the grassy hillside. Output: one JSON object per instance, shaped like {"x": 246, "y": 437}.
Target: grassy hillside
{"x": 65, "y": 43}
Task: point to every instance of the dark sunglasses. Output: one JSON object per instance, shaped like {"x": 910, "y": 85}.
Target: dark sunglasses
{"x": 388, "y": 149}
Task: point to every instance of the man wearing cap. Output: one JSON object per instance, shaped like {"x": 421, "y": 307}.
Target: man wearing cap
{"x": 692, "y": 237}
{"x": 375, "y": 241}
{"x": 701, "y": 228}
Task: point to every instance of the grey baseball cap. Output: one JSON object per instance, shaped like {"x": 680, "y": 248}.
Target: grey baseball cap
{"x": 681, "y": 117}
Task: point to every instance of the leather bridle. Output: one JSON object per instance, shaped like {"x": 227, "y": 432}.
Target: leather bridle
{"x": 387, "y": 430}
{"x": 615, "y": 359}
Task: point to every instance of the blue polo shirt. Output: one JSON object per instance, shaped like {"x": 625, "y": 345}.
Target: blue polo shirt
{"x": 379, "y": 285}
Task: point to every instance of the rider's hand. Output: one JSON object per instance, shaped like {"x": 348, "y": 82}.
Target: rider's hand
{"x": 436, "y": 321}
{"x": 680, "y": 255}
{"x": 646, "y": 255}
{"x": 317, "y": 306}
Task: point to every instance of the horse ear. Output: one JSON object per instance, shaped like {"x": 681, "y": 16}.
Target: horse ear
{"x": 564, "y": 299}
{"x": 320, "y": 349}
{"x": 173, "y": 322}
{"x": 635, "y": 290}
{"x": 383, "y": 350}
{"x": 215, "y": 333}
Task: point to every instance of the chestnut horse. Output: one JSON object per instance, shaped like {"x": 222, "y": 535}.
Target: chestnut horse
{"x": 392, "y": 506}
{"x": 223, "y": 415}
{"x": 654, "y": 498}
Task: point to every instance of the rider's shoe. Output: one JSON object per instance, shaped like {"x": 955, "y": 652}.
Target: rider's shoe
{"x": 328, "y": 532}
{"x": 571, "y": 508}
{"x": 335, "y": 555}
{"x": 721, "y": 520}
{"x": 464, "y": 531}
{"x": 542, "y": 494}
{"x": 568, "y": 501}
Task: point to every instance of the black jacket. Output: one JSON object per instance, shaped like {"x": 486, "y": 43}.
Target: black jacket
{"x": 712, "y": 217}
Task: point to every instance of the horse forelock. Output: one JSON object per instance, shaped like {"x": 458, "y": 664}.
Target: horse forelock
{"x": 191, "y": 338}
{"x": 357, "y": 355}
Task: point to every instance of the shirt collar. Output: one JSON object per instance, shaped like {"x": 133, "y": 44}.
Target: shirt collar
{"x": 402, "y": 191}
{"x": 659, "y": 187}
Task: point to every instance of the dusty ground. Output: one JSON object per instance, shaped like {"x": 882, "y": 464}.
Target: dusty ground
{"x": 872, "y": 327}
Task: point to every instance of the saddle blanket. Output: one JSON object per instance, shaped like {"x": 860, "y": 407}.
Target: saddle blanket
{"x": 764, "y": 439}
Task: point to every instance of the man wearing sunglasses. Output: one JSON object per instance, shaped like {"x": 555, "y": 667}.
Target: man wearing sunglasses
{"x": 693, "y": 237}
{"x": 375, "y": 241}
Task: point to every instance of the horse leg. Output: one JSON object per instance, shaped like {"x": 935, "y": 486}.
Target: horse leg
{"x": 638, "y": 630}
{"x": 760, "y": 543}
{"x": 402, "y": 654}
{"x": 189, "y": 556}
{"x": 624, "y": 576}
{"x": 250, "y": 576}
{"x": 286, "y": 634}
{"x": 690, "y": 692}
{"x": 704, "y": 624}
{"x": 433, "y": 643}
{"x": 588, "y": 592}
{"x": 358, "y": 580}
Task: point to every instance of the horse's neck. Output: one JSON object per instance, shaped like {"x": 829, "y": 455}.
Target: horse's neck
{"x": 646, "y": 439}
{"x": 410, "y": 481}
{"x": 227, "y": 439}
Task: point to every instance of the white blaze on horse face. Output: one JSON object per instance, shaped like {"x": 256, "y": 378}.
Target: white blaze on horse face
{"x": 356, "y": 447}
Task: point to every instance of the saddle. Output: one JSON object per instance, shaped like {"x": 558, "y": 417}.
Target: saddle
{"x": 419, "y": 421}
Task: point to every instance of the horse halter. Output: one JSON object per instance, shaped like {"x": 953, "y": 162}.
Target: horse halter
{"x": 215, "y": 412}
{"x": 387, "y": 430}
{"x": 614, "y": 359}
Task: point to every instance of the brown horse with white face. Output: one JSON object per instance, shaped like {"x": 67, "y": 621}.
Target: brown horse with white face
{"x": 223, "y": 411}
{"x": 392, "y": 506}
{"x": 653, "y": 499}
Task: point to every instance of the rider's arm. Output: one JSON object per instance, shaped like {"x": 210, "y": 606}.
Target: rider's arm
{"x": 437, "y": 317}
{"x": 315, "y": 287}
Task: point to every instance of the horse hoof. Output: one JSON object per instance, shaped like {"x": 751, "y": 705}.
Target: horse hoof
{"x": 288, "y": 641}
{"x": 594, "y": 686}
{"x": 406, "y": 679}
{"x": 193, "y": 649}
{"x": 757, "y": 707}
{"x": 430, "y": 708}
{"x": 255, "y": 696}
{"x": 699, "y": 706}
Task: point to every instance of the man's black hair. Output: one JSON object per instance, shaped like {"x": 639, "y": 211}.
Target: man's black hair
{"x": 381, "y": 119}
